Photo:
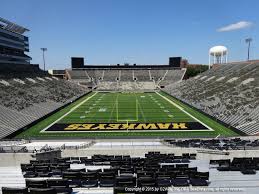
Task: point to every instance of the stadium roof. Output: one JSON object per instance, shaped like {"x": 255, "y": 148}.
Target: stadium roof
{"x": 7, "y": 25}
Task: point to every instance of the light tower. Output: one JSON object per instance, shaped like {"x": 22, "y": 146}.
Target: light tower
{"x": 248, "y": 41}
{"x": 43, "y": 51}
{"x": 218, "y": 55}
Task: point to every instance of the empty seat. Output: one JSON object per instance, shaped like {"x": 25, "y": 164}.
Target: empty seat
{"x": 89, "y": 183}
{"x": 198, "y": 182}
{"x": 71, "y": 175}
{"x": 180, "y": 182}
{"x": 36, "y": 183}
{"x": 248, "y": 171}
{"x": 43, "y": 191}
{"x": 107, "y": 182}
{"x": 54, "y": 183}
{"x": 76, "y": 170}
{"x": 146, "y": 182}
{"x": 30, "y": 174}
{"x": 61, "y": 190}
{"x": 88, "y": 175}
{"x": 125, "y": 181}
{"x": 14, "y": 190}
{"x": 163, "y": 182}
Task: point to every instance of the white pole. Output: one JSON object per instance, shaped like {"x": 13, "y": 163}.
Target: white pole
{"x": 226, "y": 56}
{"x": 209, "y": 60}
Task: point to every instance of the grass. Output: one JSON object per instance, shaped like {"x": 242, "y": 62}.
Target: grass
{"x": 104, "y": 107}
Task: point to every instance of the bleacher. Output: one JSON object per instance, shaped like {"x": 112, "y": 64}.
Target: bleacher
{"x": 215, "y": 144}
{"x": 229, "y": 93}
{"x": 127, "y": 78}
{"x": 28, "y": 96}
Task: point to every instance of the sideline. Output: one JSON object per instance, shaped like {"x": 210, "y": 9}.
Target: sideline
{"x": 71, "y": 110}
{"x": 181, "y": 108}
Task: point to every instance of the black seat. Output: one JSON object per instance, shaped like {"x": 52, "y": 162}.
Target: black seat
{"x": 198, "y": 182}
{"x": 248, "y": 171}
{"x": 146, "y": 182}
{"x": 61, "y": 190}
{"x": 44, "y": 174}
{"x": 63, "y": 166}
{"x": 107, "y": 182}
{"x": 43, "y": 191}
{"x": 88, "y": 175}
{"x": 56, "y": 173}
{"x": 74, "y": 183}
{"x": 223, "y": 168}
{"x": 54, "y": 183}
{"x": 163, "y": 182}
{"x": 115, "y": 171}
{"x": 41, "y": 168}
{"x": 71, "y": 175}
{"x": 27, "y": 167}
{"x": 36, "y": 183}
{"x": 14, "y": 190}
{"x": 30, "y": 174}
{"x": 203, "y": 175}
{"x": 89, "y": 183}
{"x": 76, "y": 170}
{"x": 180, "y": 182}
{"x": 94, "y": 170}
{"x": 106, "y": 175}
{"x": 125, "y": 181}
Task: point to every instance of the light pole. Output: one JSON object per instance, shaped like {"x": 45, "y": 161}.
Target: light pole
{"x": 43, "y": 51}
{"x": 248, "y": 40}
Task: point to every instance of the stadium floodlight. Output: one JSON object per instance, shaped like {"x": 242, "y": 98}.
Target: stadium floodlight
{"x": 43, "y": 55}
{"x": 248, "y": 40}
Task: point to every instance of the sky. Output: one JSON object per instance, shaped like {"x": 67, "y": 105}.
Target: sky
{"x": 134, "y": 31}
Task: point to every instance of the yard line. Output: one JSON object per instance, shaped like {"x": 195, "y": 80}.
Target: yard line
{"x": 180, "y": 108}
{"x": 141, "y": 109}
{"x": 94, "y": 113}
{"x": 217, "y": 136}
{"x": 114, "y": 105}
{"x": 71, "y": 110}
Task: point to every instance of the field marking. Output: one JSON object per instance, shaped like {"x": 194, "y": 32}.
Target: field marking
{"x": 114, "y": 105}
{"x": 145, "y": 120}
{"x": 177, "y": 106}
{"x": 95, "y": 112}
{"x": 182, "y": 109}
{"x": 127, "y": 120}
{"x": 71, "y": 110}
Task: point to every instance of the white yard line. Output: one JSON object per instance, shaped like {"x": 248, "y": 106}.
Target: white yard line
{"x": 180, "y": 108}
{"x": 145, "y": 120}
{"x": 71, "y": 110}
{"x": 114, "y": 105}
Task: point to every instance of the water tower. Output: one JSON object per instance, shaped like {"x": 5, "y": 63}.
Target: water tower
{"x": 218, "y": 55}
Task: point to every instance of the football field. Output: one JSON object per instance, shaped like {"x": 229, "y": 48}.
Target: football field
{"x": 122, "y": 107}
{"x": 124, "y": 114}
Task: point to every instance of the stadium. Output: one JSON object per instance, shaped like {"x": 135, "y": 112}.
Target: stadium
{"x": 126, "y": 128}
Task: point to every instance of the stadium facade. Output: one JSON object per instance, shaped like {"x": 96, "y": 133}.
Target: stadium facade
{"x": 13, "y": 44}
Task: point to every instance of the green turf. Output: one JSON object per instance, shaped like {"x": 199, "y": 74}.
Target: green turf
{"x": 104, "y": 107}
